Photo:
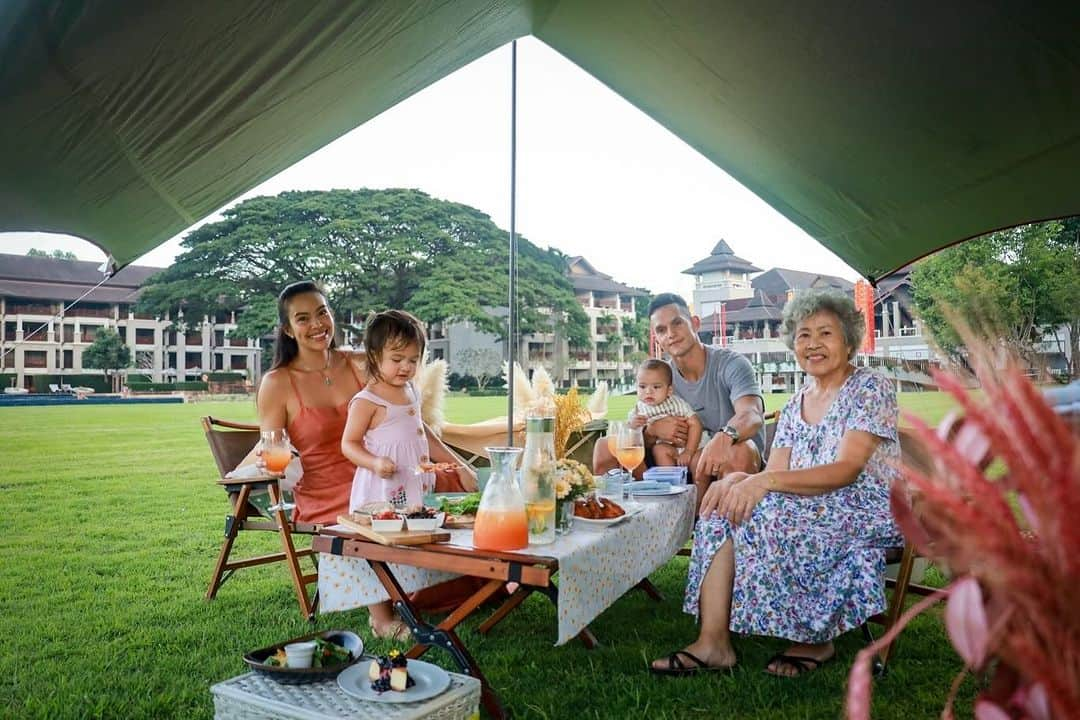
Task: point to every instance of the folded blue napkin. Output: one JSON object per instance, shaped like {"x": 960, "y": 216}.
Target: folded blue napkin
{"x": 668, "y": 474}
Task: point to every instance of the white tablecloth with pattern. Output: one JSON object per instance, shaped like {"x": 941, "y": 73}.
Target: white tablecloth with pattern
{"x": 596, "y": 565}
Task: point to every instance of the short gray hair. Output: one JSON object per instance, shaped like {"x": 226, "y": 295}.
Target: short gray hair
{"x": 810, "y": 302}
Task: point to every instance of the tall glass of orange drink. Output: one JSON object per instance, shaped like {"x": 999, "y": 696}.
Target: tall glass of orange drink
{"x": 276, "y": 453}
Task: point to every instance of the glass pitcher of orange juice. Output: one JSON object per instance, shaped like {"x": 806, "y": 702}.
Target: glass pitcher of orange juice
{"x": 500, "y": 522}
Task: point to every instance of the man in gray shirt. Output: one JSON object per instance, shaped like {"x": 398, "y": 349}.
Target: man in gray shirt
{"x": 721, "y": 387}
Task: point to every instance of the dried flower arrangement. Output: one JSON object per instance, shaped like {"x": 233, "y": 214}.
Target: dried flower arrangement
{"x": 538, "y": 398}
{"x": 1012, "y": 541}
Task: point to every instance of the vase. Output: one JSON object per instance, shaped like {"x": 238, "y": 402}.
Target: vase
{"x": 564, "y": 516}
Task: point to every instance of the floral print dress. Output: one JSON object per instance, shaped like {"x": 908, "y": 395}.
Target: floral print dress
{"x": 810, "y": 567}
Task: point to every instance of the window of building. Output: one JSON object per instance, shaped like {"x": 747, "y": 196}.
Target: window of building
{"x": 69, "y": 333}
{"x": 9, "y": 359}
{"x": 69, "y": 360}
{"x": 170, "y": 337}
{"x": 144, "y": 359}
{"x": 10, "y": 329}
{"x": 193, "y": 337}
{"x": 437, "y": 354}
{"x": 219, "y": 362}
{"x": 171, "y": 361}
{"x": 219, "y": 338}
{"x": 192, "y": 361}
{"x": 88, "y": 333}
{"x": 238, "y": 362}
{"x": 144, "y": 336}
{"x": 36, "y": 359}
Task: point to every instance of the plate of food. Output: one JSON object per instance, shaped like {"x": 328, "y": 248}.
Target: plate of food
{"x": 603, "y": 512}
{"x": 394, "y": 679}
{"x": 460, "y": 509}
{"x": 335, "y": 650}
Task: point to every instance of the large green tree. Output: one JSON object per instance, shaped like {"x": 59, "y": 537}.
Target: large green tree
{"x": 108, "y": 352}
{"x": 1013, "y": 285}
{"x": 371, "y": 250}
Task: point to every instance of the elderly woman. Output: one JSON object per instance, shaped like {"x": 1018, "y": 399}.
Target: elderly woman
{"x": 796, "y": 551}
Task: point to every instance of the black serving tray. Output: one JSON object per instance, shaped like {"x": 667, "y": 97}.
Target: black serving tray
{"x": 297, "y": 676}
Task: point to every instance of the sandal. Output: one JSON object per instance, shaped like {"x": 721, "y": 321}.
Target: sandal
{"x": 801, "y": 664}
{"x": 395, "y": 630}
{"x": 677, "y": 668}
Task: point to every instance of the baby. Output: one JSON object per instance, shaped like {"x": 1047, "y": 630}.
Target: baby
{"x": 657, "y": 399}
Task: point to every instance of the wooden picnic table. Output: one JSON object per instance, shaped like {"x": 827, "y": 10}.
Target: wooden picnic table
{"x": 624, "y": 555}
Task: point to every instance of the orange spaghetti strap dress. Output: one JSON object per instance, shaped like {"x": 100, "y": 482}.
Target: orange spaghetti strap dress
{"x": 323, "y": 492}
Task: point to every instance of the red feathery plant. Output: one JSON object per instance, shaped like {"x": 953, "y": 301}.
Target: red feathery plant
{"x": 1012, "y": 542}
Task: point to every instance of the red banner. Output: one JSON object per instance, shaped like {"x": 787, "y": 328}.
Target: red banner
{"x": 723, "y": 324}
{"x": 864, "y": 301}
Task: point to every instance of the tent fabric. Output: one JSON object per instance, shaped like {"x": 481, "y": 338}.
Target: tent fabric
{"x": 884, "y": 130}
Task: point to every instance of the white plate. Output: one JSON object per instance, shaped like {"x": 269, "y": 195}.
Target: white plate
{"x": 661, "y": 492}
{"x": 431, "y": 680}
{"x": 630, "y": 508}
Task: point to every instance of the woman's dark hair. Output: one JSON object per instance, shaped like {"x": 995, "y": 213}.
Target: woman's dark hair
{"x": 285, "y": 347}
{"x": 388, "y": 330}
{"x": 654, "y": 364}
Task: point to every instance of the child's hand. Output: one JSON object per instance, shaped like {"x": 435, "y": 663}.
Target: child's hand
{"x": 685, "y": 457}
{"x": 384, "y": 467}
{"x": 637, "y": 421}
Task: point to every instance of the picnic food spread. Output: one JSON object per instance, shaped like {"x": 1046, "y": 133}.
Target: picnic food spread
{"x": 598, "y": 508}
{"x": 390, "y": 672}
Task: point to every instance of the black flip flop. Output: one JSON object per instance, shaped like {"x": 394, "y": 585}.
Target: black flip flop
{"x": 677, "y": 668}
{"x": 799, "y": 662}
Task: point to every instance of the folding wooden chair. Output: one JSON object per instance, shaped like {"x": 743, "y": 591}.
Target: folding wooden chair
{"x": 229, "y": 443}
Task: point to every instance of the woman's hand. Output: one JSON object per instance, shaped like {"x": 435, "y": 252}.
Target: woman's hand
{"x": 739, "y": 502}
{"x": 714, "y": 496}
{"x": 384, "y": 467}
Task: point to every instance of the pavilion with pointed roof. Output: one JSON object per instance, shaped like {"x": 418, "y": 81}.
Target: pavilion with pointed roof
{"x": 719, "y": 278}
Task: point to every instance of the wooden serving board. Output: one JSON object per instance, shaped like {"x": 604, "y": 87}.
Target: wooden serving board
{"x": 405, "y": 537}
{"x": 459, "y": 522}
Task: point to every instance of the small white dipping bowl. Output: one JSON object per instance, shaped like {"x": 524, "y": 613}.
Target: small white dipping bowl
{"x": 387, "y": 525}
{"x": 299, "y": 655}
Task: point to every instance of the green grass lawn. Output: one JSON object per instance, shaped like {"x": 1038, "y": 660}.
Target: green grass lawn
{"x": 111, "y": 526}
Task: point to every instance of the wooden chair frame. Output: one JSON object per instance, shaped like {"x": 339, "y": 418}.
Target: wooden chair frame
{"x": 229, "y": 443}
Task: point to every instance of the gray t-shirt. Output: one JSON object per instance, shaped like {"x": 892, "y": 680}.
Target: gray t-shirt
{"x": 728, "y": 376}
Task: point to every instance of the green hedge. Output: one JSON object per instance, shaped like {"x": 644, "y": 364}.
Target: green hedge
{"x": 166, "y": 387}
{"x": 496, "y": 392}
{"x": 99, "y": 383}
{"x": 226, "y": 376}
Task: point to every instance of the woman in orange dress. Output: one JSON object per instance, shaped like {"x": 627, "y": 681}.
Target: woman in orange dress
{"x": 307, "y": 391}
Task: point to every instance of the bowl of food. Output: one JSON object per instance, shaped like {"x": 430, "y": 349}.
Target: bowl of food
{"x": 424, "y": 519}
{"x": 334, "y": 651}
{"x": 387, "y": 521}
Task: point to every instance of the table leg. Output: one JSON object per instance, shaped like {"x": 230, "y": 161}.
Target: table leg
{"x": 519, "y": 596}
{"x": 446, "y": 638}
{"x": 651, "y": 590}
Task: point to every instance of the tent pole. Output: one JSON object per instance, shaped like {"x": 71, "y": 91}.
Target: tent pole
{"x": 511, "y": 341}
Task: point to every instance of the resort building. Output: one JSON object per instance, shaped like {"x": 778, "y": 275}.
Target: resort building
{"x": 610, "y": 355}
{"x": 42, "y": 343}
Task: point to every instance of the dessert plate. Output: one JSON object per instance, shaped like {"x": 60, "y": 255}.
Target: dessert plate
{"x": 431, "y": 680}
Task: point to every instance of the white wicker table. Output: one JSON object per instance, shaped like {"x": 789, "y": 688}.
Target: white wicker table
{"x": 257, "y": 697}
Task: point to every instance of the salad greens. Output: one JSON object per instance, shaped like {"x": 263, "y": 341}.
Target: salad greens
{"x": 467, "y": 505}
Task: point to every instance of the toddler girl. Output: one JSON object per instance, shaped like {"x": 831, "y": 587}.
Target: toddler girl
{"x": 384, "y": 434}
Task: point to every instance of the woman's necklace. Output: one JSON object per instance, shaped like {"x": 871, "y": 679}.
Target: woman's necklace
{"x": 327, "y": 381}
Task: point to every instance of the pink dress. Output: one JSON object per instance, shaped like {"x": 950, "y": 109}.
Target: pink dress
{"x": 400, "y": 436}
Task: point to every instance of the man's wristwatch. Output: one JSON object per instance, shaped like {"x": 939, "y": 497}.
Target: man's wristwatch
{"x": 731, "y": 432}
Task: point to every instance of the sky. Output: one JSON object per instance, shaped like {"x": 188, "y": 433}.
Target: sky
{"x": 595, "y": 176}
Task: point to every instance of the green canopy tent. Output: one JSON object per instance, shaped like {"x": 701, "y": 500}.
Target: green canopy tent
{"x": 885, "y": 130}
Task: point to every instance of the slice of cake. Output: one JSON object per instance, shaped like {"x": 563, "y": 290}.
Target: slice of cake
{"x": 390, "y": 672}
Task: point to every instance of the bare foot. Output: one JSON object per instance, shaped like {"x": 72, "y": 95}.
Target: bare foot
{"x": 814, "y": 656}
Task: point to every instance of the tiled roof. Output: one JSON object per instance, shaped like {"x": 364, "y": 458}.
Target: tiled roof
{"x": 721, "y": 258}
{"x": 42, "y": 278}
{"x": 583, "y": 276}
{"x": 778, "y": 281}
